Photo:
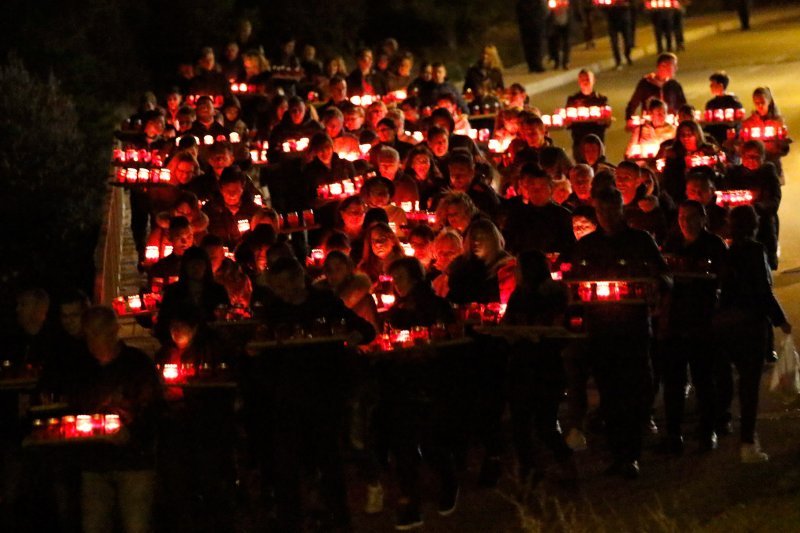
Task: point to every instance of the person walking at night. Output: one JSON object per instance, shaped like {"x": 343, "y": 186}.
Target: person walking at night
{"x": 531, "y": 16}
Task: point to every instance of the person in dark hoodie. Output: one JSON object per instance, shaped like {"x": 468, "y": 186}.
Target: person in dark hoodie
{"x": 660, "y": 84}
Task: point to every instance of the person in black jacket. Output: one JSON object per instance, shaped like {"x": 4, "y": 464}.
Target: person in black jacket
{"x": 122, "y": 381}
{"x": 536, "y": 372}
{"x": 534, "y": 221}
{"x": 761, "y": 178}
{"x": 419, "y": 424}
{"x": 748, "y": 309}
{"x": 660, "y": 84}
{"x": 531, "y": 16}
{"x": 586, "y": 97}
{"x": 196, "y": 288}
{"x": 307, "y": 387}
{"x": 225, "y": 213}
{"x": 698, "y": 258}
{"x": 718, "y": 83}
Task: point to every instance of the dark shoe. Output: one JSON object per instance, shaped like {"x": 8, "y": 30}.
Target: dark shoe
{"x": 408, "y": 517}
{"x": 537, "y": 68}
{"x": 771, "y": 357}
{"x": 448, "y": 500}
{"x": 681, "y": 48}
{"x": 708, "y": 443}
{"x": 650, "y": 427}
{"x": 565, "y": 66}
{"x": 491, "y": 470}
{"x": 629, "y": 60}
{"x": 671, "y": 445}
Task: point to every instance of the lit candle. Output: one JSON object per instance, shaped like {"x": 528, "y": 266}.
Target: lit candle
{"x": 335, "y": 189}
{"x": 407, "y": 249}
{"x": 243, "y": 225}
{"x": 258, "y": 200}
{"x": 134, "y": 302}
{"x": 308, "y": 217}
{"x": 111, "y": 424}
{"x": 170, "y": 372}
{"x": 130, "y": 175}
{"x": 167, "y": 250}
{"x": 234, "y": 137}
{"x": 318, "y": 255}
{"x": 83, "y": 425}
{"x": 406, "y": 206}
{"x": 349, "y": 187}
{"x": 68, "y": 428}
{"x": 387, "y": 300}
{"x": 151, "y": 253}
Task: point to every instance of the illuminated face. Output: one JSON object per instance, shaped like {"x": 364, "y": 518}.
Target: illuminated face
{"x": 365, "y": 61}
{"x": 761, "y": 103}
{"x": 231, "y": 51}
{"x": 533, "y": 134}
{"x": 183, "y": 210}
{"x": 339, "y": 91}
{"x": 457, "y": 217}
{"x": 379, "y": 196}
{"x": 440, "y": 74}
{"x": 627, "y": 181}
{"x": 353, "y": 216}
{"x": 375, "y": 114}
{"x": 381, "y": 244}
{"x": 173, "y": 101}
{"x": 251, "y": 66}
{"x": 154, "y": 128}
{"x": 221, "y": 161}
{"x": 582, "y": 226}
{"x": 445, "y": 251}
{"x": 388, "y": 168}
{"x": 752, "y": 159}
{"x": 586, "y": 83}
{"x": 402, "y": 282}
{"x": 427, "y": 73}
{"x": 207, "y": 62}
{"x": 281, "y": 110}
{"x": 182, "y": 334}
{"x": 690, "y": 221}
{"x": 439, "y": 144}
{"x": 205, "y": 111}
{"x": 232, "y": 192}
{"x": 481, "y": 245}
{"x": 184, "y": 172}
{"x": 421, "y": 164}
{"x": 333, "y": 127}
{"x": 297, "y": 112}
{"x": 516, "y": 98}
{"x": 410, "y": 113}
{"x": 537, "y": 191}
{"x": 385, "y": 133}
{"x": 591, "y": 153}
{"x": 405, "y": 66}
{"x": 666, "y": 69}
{"x": 461, "y": 177}
{"x": 325, "y": 153}
{"x": 353, "y": 121}
{"x": 716, "y": 88}
{"x": 71, "y": 318}
{"x": 658, "y": 116}
{"x": 182, "y": 240}
{"x": 688, "y": 138}
{"x": 260, "y": 257}
{"x": 422, "y": 249}
{"x": 699, "y": 191}
{"x": 336, "y": 272}
{"x": 446, "y": 104}
{"x": 231, "y": 113}
{"x": 581, "y": 186}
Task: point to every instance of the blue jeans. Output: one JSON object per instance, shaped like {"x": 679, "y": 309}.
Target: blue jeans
{"x": 131, "y": 490}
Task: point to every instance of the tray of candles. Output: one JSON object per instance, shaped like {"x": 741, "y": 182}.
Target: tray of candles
{"x": 197, "y": 375}
{"x": 71, "y": 430}
{"x": 419, "y": 341}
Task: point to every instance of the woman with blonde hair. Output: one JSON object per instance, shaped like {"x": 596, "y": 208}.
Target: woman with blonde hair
{"x": 765, "y": 114}
{"x": 485, "y": 76}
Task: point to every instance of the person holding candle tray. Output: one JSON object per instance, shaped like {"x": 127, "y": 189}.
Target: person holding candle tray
{"x": 123, "y": 381}
{"x": 181, "y": 239}
{"x": 536, "y": 373}
{"x": 307, "y": 387}
{"x": 196, "y": 451}
{"x": 619, "y": 336}
{"x": 224, "y": 214}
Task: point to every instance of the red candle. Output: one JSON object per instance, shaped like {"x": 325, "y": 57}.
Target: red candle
{"x": 243, "y": 225}
{"x": 308, "y": 217}
{"x": 170, "y": 372}
{"x": 134, "y": 302}
{"x": 111, "y": 424}
{"x": 68, "y": 428}
{"x": 83, "y": 425}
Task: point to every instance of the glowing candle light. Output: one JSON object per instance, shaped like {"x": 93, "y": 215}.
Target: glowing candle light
{"x": 151, "y": 253}
{"x": 208, "y": 139}
{"x": 234, "y": 137}
{"x": 170, "y": 372}
{"x": 243, "y": 225}
{"x": 335, "y": 189}
{"x": 167, "y": 249}
{"x": 134, "y": 302}
{"x": 83, "y": 425}
{"x": 387, "y": 300}
{"x": 111, "y": 424}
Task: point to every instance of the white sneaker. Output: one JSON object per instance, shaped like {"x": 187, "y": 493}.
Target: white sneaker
{"x": 374, "y": 504}
{"x": 576, "y": 440}
{"x": 751, "y": 453}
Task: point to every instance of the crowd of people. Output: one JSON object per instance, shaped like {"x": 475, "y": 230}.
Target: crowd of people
{"x": 302, "y": 196}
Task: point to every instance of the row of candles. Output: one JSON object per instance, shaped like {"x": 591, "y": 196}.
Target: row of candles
{"x": 648, "y": 4}
{"x": 342, "y": 189}
{"x": 765, "y": 133}
{"x": 132, "y": 155}
{"x": 132, "y": 175}
{"x": 395, "y": 339}
{"x": 207, "y": 140}
{"x": 76, "y": 426}
{"x": 610, "y": 291}
{"x": 366, "y": 100}
{"x": 733, "y": 198}
{"x": 136, "y": 303}
{"x": 174, "y": 373}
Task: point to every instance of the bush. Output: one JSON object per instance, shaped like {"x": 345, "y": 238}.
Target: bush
{"x": 51, "y": 184}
